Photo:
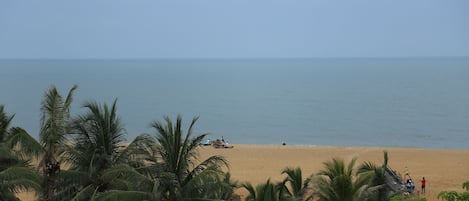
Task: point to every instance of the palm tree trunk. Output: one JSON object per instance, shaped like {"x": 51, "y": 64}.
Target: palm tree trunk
{"x": 50, "y": 175}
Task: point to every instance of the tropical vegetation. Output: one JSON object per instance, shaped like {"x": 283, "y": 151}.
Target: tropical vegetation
{"x": 337, "y": 182}
{"x": 55, "y": 118}
{"x": 454, "y": 195}
{"x": 16, "y": 173}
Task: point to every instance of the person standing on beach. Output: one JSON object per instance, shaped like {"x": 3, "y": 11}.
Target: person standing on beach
{"x": 424, "y": 182}
{"x": 406, "y": 173}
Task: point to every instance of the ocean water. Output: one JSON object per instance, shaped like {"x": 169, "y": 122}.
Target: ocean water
{"x": 340, "y": 102}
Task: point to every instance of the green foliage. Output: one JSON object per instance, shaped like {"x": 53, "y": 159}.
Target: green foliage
{"x": 465, "y": 185}
{"x": 55, "y": 120}
{"x": 336, "y": 182}
{"x": 416, "y": 199}
{"x": 160, "y": 167}
{"x": 96, "y": 154}
{"x": 181, "y": 176}
{"x": 55, "y": 116}
{"x": 464, "y": 196}
{"x": 97, "y": 136}
{"x": 376, "y": 190}
{"x": 454, "y": 195}
{"x": 293, "y": 186}
{"x": 448, "y": 195}
{"x": 15, "y": 171}
{"x": 399, "y": 197}
{"x": 263, "y": 192}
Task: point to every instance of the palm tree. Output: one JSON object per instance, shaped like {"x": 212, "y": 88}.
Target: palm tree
{"x": 336, "y": 182}
{"x": 54, "y": 123}
{"x": 296, "y": 188}
{"x": 98, "y": 146}
{"x": 15, "y": 147}
{"x": 263, "y": 192}
{"x": 376, "y": 190}
{"x": 178, "y": 170}
{"x": 98, "y": 135}
{"x": 147, "y": 182}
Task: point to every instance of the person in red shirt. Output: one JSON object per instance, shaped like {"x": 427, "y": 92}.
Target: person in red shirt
{"x": 424, "y": 182}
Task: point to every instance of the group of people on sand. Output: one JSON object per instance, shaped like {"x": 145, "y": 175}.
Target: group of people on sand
{"x": 218, "y": 143}
{"x": 410, "y": 184}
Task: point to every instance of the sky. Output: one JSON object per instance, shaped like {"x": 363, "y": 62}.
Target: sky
{"x": 174, "y": 29}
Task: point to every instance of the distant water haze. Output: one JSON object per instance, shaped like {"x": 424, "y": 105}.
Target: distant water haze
{"x": 341, "y": 102}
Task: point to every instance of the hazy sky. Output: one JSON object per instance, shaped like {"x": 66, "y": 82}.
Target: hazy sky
{"x": 233, "y": 29}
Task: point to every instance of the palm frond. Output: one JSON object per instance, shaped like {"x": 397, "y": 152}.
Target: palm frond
{"x": 336, "y": 181}
{"x": 448, "y": 195}
{"x": 465, "y": 185}
{"x": 180, "y": 170}
{"x": 71, "y": 182}
{"x": 17, "y": 177}
{"x": 386, "y": 159}
{"x": 141, "y": 149}
{"x": 252, "y": 191}
{"x": 84, "y": 194}
{"x": 24, "y": 143}
{"x": 295, "y": 179}
{"x": 123, "y": 196}
{"x": 8, "y": 195}
{"x": 5, "y": 121}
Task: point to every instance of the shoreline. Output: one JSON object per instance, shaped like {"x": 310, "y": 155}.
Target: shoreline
{"x": 352, "y": 146}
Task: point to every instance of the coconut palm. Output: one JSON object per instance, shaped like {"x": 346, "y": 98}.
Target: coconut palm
{"x": 263, "y": 192}
{"x": 178, "y": 171}
{"x": 15, "y": 147}
{"x": 98, "y": 146}
{"x": 297, "y": 188}
{"x": 55, "y": 120}
{"x": 377, "y": 190}
{"x": 336, "y": 182}
{"x": 98, "y": 135}
{"x": 146, "y": 183}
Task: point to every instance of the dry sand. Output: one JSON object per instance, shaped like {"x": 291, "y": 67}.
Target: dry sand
{"x": 443, "y": 169}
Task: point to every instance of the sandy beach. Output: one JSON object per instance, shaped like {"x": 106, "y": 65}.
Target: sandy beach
{"x": 443, "y": 169}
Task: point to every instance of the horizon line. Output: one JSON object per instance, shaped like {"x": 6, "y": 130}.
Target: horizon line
{"x": 231, "y": 59}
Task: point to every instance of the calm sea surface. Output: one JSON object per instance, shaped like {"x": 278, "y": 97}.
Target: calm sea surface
{"x": 352, "y": 102}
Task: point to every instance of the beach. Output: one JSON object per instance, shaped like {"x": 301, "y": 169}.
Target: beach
{"x": 443, "y": 169}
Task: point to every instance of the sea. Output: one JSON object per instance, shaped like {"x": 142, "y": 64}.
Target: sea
{"x": 385, "y": 102}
